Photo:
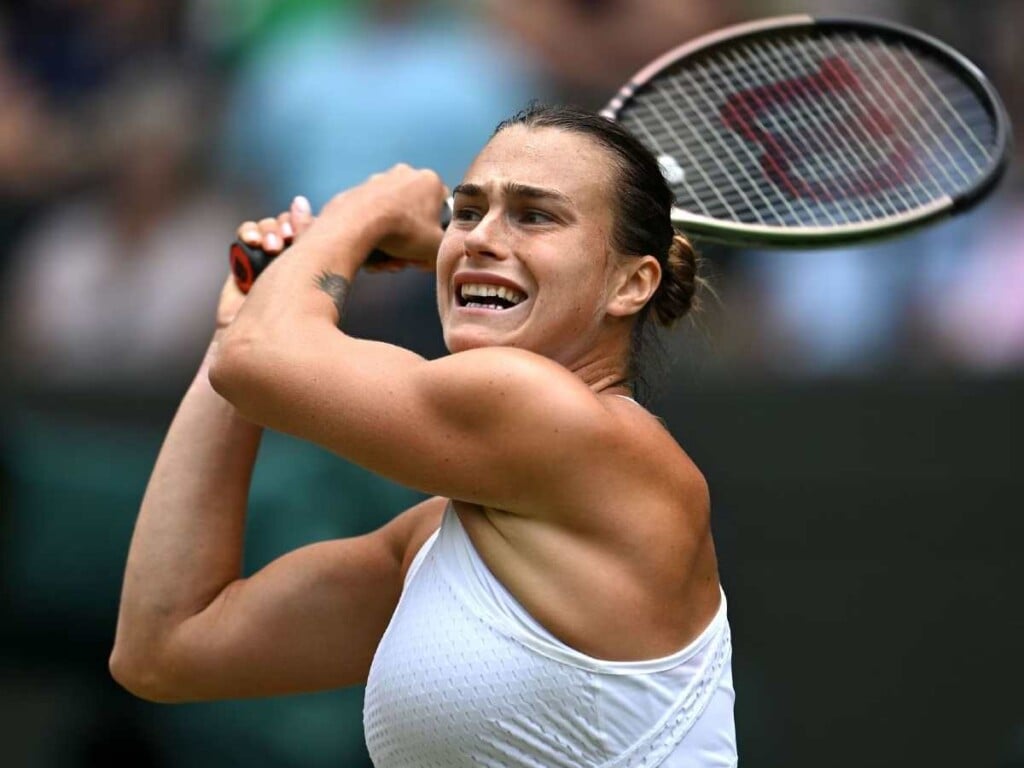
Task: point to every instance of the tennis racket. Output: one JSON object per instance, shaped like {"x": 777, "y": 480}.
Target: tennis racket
{"x": 796, "y": 131}
{"x": 802, "y": 132}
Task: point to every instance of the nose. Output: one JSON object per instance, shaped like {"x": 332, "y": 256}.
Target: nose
{"x": 489, "y": 238}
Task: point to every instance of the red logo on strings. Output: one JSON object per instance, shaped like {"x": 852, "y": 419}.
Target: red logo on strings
{"x": 863, "y": 124}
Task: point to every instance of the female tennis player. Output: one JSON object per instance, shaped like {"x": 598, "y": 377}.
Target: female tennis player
{"x": 557, "y": 602}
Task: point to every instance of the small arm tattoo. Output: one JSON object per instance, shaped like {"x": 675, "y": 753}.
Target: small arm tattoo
{"x": 335, "y": 286}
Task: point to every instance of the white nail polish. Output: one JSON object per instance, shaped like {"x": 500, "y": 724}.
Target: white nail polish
{"x": 301, "y": 204}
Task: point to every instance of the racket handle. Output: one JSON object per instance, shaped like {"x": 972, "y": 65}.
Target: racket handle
{"x": 248, "y": 261}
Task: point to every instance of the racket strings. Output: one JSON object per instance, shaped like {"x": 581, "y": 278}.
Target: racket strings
{"x": 819, "y": 129}
{"x": 708, "y": 183}
{"x": 865, "y": 123}
{"x": 813, "y": 130}
{"x": 712, "y": 78}
{"x": 749, "y": 168}
{"x": 948, "y": 120}
{"x": 865, "y": 135}
{"x": 706, "y": 129}
{"x": 954, "y": 113}
{"x": 862, "y": 126}
{"x": 899, "y": 106}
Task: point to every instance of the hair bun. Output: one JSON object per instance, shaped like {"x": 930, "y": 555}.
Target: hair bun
{"x": 680, "y": 281}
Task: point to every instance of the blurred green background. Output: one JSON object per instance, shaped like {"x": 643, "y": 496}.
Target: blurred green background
{"x": 857, "y": 412}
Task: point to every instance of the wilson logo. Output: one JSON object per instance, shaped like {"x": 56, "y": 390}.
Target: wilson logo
{"x": 823, "y": 136}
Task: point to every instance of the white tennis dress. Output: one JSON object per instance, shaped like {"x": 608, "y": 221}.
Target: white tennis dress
{"x": 464, "y": 676}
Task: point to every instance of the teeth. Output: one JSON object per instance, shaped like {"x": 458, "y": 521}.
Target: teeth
{"x": 482, "y": 290}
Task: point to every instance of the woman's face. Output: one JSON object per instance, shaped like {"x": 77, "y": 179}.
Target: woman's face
{"x": 527, "y": 257}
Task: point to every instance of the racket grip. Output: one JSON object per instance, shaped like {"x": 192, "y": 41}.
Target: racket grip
{"x": 248, "y": 261}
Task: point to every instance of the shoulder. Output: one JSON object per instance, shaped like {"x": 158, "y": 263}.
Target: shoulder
{"x": 540, "y": 409}
{"x": 653, "y": 460}
{"x": 498, "y": 366}
{"x": 572, "y": 449}
{"x": 508, "y": 383}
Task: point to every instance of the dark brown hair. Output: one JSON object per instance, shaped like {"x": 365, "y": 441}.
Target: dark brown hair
{"x": 643, "y": 223}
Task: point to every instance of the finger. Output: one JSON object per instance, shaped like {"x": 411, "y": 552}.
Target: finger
{"x": 301, "y": 215}
{"x": 284, "y": 223}
{"x": 273, "y": 241}
{"x": 249, "y": 233}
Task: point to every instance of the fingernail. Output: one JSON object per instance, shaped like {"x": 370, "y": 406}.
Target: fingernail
{"x": 271, "y": 241}
{"x": 301, "y": 204}
{"x": 286, "y": 229}
{"x": 251, "y": 235}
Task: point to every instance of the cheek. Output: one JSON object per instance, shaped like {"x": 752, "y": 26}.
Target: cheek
{"x": 450, "y": 247}
{"x": 579, "y": 298}
{"x": 447, "y": 255}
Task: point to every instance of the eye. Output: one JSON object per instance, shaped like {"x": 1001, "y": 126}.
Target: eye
{"x": 533, "y": 216}
{"x": 466, "y": 213}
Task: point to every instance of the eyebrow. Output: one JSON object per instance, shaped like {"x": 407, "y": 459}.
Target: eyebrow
{"x": 515, "y": 189}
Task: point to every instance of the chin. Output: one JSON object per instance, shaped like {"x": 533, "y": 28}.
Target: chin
{"x": 464, "y": 339}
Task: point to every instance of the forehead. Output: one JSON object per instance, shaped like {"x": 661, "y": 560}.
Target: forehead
{"x": 571, "y": 163}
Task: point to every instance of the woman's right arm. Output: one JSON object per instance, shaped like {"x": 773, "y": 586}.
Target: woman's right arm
{"x": 191, "y": 628}
{"x": 187, "y": 544}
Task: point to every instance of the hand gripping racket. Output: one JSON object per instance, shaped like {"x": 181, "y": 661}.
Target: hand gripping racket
{"x": 247, "y": 261}
{"x": 796, "y": 131}
{"x": 801, "y": 132}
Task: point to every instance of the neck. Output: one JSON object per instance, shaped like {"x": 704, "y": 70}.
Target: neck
{"x": 604, "y": 365}
{"x": 605, "y": 375}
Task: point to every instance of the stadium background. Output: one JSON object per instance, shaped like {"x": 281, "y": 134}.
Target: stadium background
{"x": 857, "y": 412}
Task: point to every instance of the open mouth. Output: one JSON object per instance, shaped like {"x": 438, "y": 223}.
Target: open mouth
{"x": 482, "y": 296}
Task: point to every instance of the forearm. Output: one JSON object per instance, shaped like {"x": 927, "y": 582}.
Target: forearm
{"x": 288, "y": 331}
{"x": 310, "y": 281}
{"x": 188, "y": 539}
{"x": 286, "y": 364}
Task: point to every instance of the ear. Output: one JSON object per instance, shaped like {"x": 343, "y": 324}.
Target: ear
{"x": 634, "y": 284}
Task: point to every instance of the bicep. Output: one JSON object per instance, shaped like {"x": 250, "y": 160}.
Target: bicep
{"x": 487, "y": 425}
{"x": 310, "y": 620}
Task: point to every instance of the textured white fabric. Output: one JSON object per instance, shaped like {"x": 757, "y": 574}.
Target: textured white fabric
{"x": 464, "y": 676}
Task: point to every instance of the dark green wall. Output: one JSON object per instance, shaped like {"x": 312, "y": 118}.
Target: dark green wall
{"x": 869, "y": 539}
{"x": 868, "y": 535}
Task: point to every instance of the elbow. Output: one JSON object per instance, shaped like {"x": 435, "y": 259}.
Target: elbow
{"x": 234, "y": 368}
{"x": 251, "y": 370}
{"x": 143, "y": 678}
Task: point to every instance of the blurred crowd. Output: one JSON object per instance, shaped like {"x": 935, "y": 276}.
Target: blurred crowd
{"x": 134, "y": 136}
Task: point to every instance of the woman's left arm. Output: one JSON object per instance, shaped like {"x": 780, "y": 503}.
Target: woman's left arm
{"x": 470, "y": 426}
